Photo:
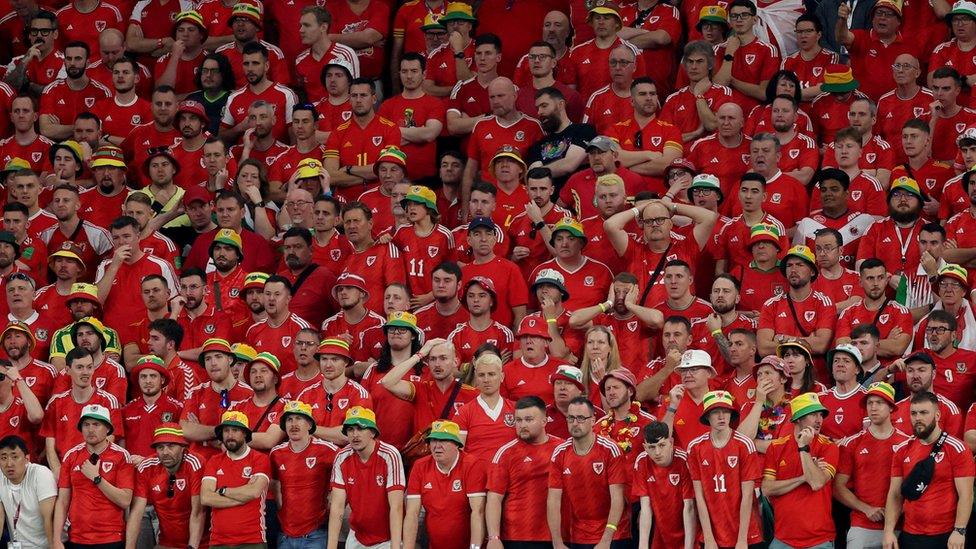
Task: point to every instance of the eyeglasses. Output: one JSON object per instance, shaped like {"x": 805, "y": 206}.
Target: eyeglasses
{"x": 805, "y": 31}
{"x": 701, "y": 192}
{"x": 903, "y": 67}
{"x": 542, "y": 57}
{"x": 620, "y": 62}
{"x": 170, "y": 486}
{"x": 298, "y": 203}
{"x": 655, "y": 221}
{"x": 398, "y": 330}
{"x": 739, "y": 16}
{"x": 824, "y": 249}
{"x": 300, "y": 343}
{"x": 40, "y": 31}
{"x": 577, "y": 419}
{"x": 328, "y": 402}
{"x": 937, "y": 330}
{"x": 949, "y": 285}
{"x": 224, "y": 399}
{"x": 206, "y": 70}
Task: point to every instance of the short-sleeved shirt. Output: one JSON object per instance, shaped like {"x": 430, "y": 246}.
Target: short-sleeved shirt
{"x": 486, "y": 429}
{"x": 847, "y": 414}
{"x": 94, "y": 518}
{"x": 240, "y": 101}
{"x": 490, "y": 134}
{"x": 329, "y": 409}
{"x": 783, "y": 461}
{"x": 868, "y": 52}
{"x": 367, "y": 486}
{"x": 721, "y": 472}
{"x": 894, "y": 111}
{"x": 415, "y": 113}
{"x": 62, "y": 413}
{"x": 867, "y": 461}
{"x": 304, "y": 477}
{"x": 955, "y": 376}
{"x": 753, "y": 63}
{"x": 815, "y": 312}
{"x": 122, "y": 304}
{"x": 585, "y": 481}
{"x": 244, "y": 523}
{"x": 375, "y": 16}
{"x": 934, "y": 513}
{"x": 278, "y": 340}
{"x": 355, "y": 145}
{"x": 510, "y": 286}
{"x": 154, "y": 485}
{"x": 446, "y": 495}
{"x": 886, "y": 319}
{"x": 37, "y": 485}
{"x": 466, "y": 339}
{"x": 668, "y": 488}
{"x": 950, "y": 418}
{"x": 206, "y": 406}
{"x": 519, "y": 471}
{"x": 309, "y": 69}
{"x": 141, "y": 419}
{"x": 64, "y": 103}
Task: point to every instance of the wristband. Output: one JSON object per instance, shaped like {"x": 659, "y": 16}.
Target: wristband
{"x": 716, "y": 333}
{"x": 636, "y": 212}
{"x": 159, "y": 43}
{"x": 672, "y": 409}
{"x": 551, "y": 321}
{"x": 611, "y": 527}
{"x": 494, "y": 538}
{"x": 603, "y": 307}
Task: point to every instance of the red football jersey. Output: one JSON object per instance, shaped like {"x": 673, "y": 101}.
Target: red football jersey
{"x": 896, "y": 246}
{"x": 813, "y": 313}
{"x": 783, "y": 462}
{"x": 86, "y": 27}
{"x": 587, "y": 284}
{"x": 154, "y": 485}
{"x": 868, "y": 52}
{"x": 329, "y": 409}
{"x": 205, "y": 405}
{"x": 885, "y": 319}
{"x": 755, "y": 62}
{"x": 415, "y": 113}
{"x": 421, "y": 254}
{"x": 356, "y": 145}
{"x": 437, "y": 325}
{"x": 337, "y": 325}
{"x": 810, "y": 72}
{"x": 667, "y": 488}
{"x": 655, "y": 136}
{"x": 466, "y": 339}
{"x": 894, "y": 111}
{"x": 721, "y": 472}
{"x": 61, "y": 416}
{"x": 946, "y": 131}
{"x": 291, "y": 384}
{"x": 142, "y": 418}
{"x": 244, "y": 523}
{"x": 490, "y": 134}
{"x": 510, "y": 286}
{"x": 367, "y": 485}
{"x": 847, "y": 414}
{"x": 446, "y": 496}
{"x": 186, "y": 71}
{"x": 304, "y": 477}
{"x": 589, "y": 66}
{"x": 786, "y": 200}
{"x": 64, "y": 103}
{"x": 867, "y": 461}
{"x": 519, "y": 472}
{"x": 122, "y": 305}
{"x": 240, "y": 101}
{"x": 951, "y": 419}
{"x": 955, "y": 376}
{"x": 521, "y": 234}
{"x": 385, "y": 265}
{"x": 865, "y": 194}
{"x": 523, "y": 379}
{"x": 309, "y": 69}
{"x": 585, "y": 482}
{"x": 709, "y": 155}
{"x": 94, "y": 518}
{"x": 34, "y": 152}
{"x": 278, "y": 70}
{"x": 486, "y": 429}
{"x": 605, "y": 107}
{"x": 118, "y": 120}
{"x": 681, "y": 110}
{"x": 278, "y": 340}
{"x": 642, "y": 262}
{"x": 934, "y": 513}
{"x": 374, "y": 16}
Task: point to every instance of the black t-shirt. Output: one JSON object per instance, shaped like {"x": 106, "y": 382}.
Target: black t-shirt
{"x": 555, "y": 146}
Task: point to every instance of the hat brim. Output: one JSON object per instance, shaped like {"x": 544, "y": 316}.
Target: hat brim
{"x": 562, "y": 289}
{"x": 445, "y": 436}
{"x": 284, "y": 416}
{"x": 511, "y": 156}
{"x": 361, "y": 423}
{"x": 68, "y": 255}
{"x": 168, "y": 439}
{"x": 603, "y": 10}
{"x": 248, "y": 17}
{"x": 417, "y": 200}
{"x": 813, "y": 265}
{"x": 891, "y": 403}
{"x": 142, "y": 367}
{"x": 765, "y": 238}
{"x": 781, "y": 349}
{"x": 691, "y": 190}
{"x": 840, "y": 88}
{"x": 219, "y": 430}
{"x": 703, "y": 419}
{"x": 107, "y": 162}
{"x": 457, "y": 16}
{"x": 427, "y": 28}
{"x": 965, "y": 283}
{"x": 829, "y": 357}
{"x": 711, "y": 19}
{"x": 111, "y": 428}
{"x": 172, "y": 159}
{"x": 818, "y": 409}
{"x": 552, "y": 237}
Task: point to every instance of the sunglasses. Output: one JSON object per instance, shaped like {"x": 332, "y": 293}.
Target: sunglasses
{"x": 328, "y": 402}
{"x": 224, "y": 398}
{"x": 171, "y": 486}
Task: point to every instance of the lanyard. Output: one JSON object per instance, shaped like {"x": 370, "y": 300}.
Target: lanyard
{"x": 13, "y": 531}
{"x": 904, "y": 243}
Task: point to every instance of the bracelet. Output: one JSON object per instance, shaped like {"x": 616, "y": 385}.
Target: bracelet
{"x": 494, "y": 538}
{"x": 603, "y": 307}
{"x": 159, "y": 43}
{"x": 716, "y": 333}
{"x": 672, "y": 409}
{"x": 418, "y": 357}
{"x": 612, "y": 527}
{"x": 636, "y": 212}
{"x": 551, "y": 321}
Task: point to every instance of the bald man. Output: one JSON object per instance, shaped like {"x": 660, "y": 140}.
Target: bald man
{"x": 725, "y": 153}
{"x": 506, "y": 127}
{"x": 112, "y": 44}
{"x": 555, "y": 31}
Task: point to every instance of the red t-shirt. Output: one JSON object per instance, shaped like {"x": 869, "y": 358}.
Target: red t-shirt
{"x": 946, "y": 131}
{"x": 34, "y": 152}
{"x": 587, "y": 284}
{"x": 830, "y": 113}
{"x": 309, "y": 69}
{"x": 680, "y": 108}
{"x": 86, "y": 27}
{"x": 422, "y": 254}
{"x": 783, "y": 462}
{"x": 384, "y": 264}
{"x": 868, "y": 52}
{"x": 466, "y": 339}
{"x": 885, "y": 320}
{"x": 64, "y": 103}
{"x": 490, "y": 134}
{"x": 240, "y": 101}
{"x": 355, "y": 145}
{"x": 815, "y": 312}
{"x": 278, "y": 70}
{"x": 367, "y": 486}
{"x": 754, "y": 63}
{"x": 955, "y": 376}
{"x": 153, "y": 484}
{"x": 510, "y": 286}
{"x": 894, "y": 111}
{"x": 186, "y": 71}
{"x": 585, "y": 482}
{"x": 935, "y": 512}
{"x": 897, "y": 247}
{"x": 520, "y": 473}
{"x": 429, "y": 401}
{"x": 951, "y": 419}
{"x": 867, "y": 461}
{"x": 589, "y": 66}
{"x": 642, "y": 262}
{"x": 304, "y": 477}
{"x": 415, "y": 113}
{"x": 721, "y": 472}
{"x": 206, "y": 406}
{"x": 486, "y": 428}
{"x": 521, "y": 234}
{"x": 94, "y": 518}
{"x": 329, "y": 410}
{"x": 786, "y": 200}
{"x": 446, "y": 496}
{"x": 605, "y": 107}
{"x": 243, "y": 523}
{"x": 810, "y": 72}
{"x": 846, "y": 413}
{"x": 667, "y": 488}
{"x": 709, "y": 155}
{"x": 123, "y": 304}
{"x": 436, "y": 325}
{"x": 654, "y": 136}
{"x": 375, "y": 16}
{"x": 660, "y": 61}
{"x": 278, "y": 340}
{"x": 337, "y": 325}
{"x": 141, "y": 420}
{"x": 61, "y": 415}
{"x": 523, "y": 379}
{"x": 118, "y": 120}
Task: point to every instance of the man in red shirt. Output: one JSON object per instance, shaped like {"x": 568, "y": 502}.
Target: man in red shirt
{"x": 120, "y": 113}
{"x": 457, "y": 59}
{"x": 440, "y": 317}
{"x": 25, "y": 142}
{"x": 726, "y": 513}
{"x": 518, "y": 479}
{"x": 865, "y": 459}
{"x": 351, "y": 294}
{"x": 335, "y": 394}
{"x": 259, "y": 87}
{"x": 196, "y": 314}
{"x": 920, "y": 374}
{"x": 936, "y": 512}
{"x": 487, "y": 421}
{"x": 235, "y": 484}
{"x": 311, "y": 282}
{"x": 508, "y": 282}
{"x": 745, "y": 63}
{"x": 588, "y": 68}
{"x": 877, "y": 47}
{"x": 893, "y": 320}
{"x": 169, "y": 482}
{"x": 158, "y": 132}
{"x": 949, "y": 116}
{"x": 165, "y": 337}
{"x": 906, "y": 101}
{"x": 649, "y": 145}
{"x": 314, "y": 26}
{"x": 179, "y": 67}
{"x": 368, "y": 476}
{"x": 419, "y": 116}
{"x": 302, "y": 467}
{"x": 894, "y": 239}
{"x": 454, "y": 501}
{"x": 370, "y": 256}
{"x": 589, "y": 472}
{"x": 276, "y": 333}
{"x": 798, "y": 477}
{"x": 354, "y": 146}
{"x": 425, "y": 243}
{"x": 247, "y": 20}
{"x": 125, "y": 271}
{"x": 800, "y": 314}
{"x": 608, "y": 105}
{"x": 480, "y": 301}
{"x": 663, "y": 485}
{"x": 955, "y": 379}
{"x": 94, "y": 485}
{"x": 43, "y": 63}
{"x": 150, "y": 409}
{"x": 63, "y": 100}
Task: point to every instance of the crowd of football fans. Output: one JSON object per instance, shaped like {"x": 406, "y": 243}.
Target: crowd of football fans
{"x": 502, "y": 274}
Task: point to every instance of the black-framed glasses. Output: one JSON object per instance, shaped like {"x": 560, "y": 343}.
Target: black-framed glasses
{"x": 37, "y": 31}
{"x": 224, "y": 399}
{"x": 937, "y": 330}
{"x": 577, "y": 419}
{"x": 328, "y": 402}
{"x": 171, "y": 486}
{"x": 539, "y": 56}
{"x": 620, "y": 62}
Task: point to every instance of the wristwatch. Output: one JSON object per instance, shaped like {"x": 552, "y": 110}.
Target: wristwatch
{"x": 960, "y": 531}
{"x": 97, "y": 480}
{"x": 538, "y": 226}
{"x": 805, "y": 448}
{"x": 459, "y": 55}
{"x": 728, "y": 57}
{"x": 221, "y": 491}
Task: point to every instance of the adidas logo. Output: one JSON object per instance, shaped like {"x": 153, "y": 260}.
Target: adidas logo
{"x": 220, "y": 471}
{"x": 864, "y": 451}
{"x": 443, "y": 66}
{"x": 586, "y": 62}
{"x": 60, "y": 101}
{"x": 782, "y": 315}
{"x": 64, "y": 418}
{"x": 714, "y": 160}
{"x": 608, "y": 112}
{"x": 428, "y": 486}
{"x": 466, "y": 346}
{"x": 681, "y": 108}
{"x": 489, "y": 136}
{"x": 471, "y": 100}
{"x": 521, "y": 382}
{"x": 527, "y": 460}
{"x": 704, "y": 462}
{"x": 887, "y": 240}
{"x": 157, "y": 488}
{"x": 281, "y": 467}
{"x": 566, "y": 471}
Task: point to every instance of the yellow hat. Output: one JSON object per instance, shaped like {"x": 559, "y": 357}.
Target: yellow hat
{"x": 804, "y": 405}
{"x": 309, "y": 168}
{"x": 233, "y": 418}
{"x": 605, "y": 7}
{"x": 244, "y": 352}
{"x": 421, "y": 195}
{"x": 445, "y": 430}
{"x": 907, "y": 184}
{"x": 297, "y": 408}
{"x": 361, "y": 417}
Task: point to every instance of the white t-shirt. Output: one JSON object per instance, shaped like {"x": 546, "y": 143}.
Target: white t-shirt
{"x": 38, "y": 485}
